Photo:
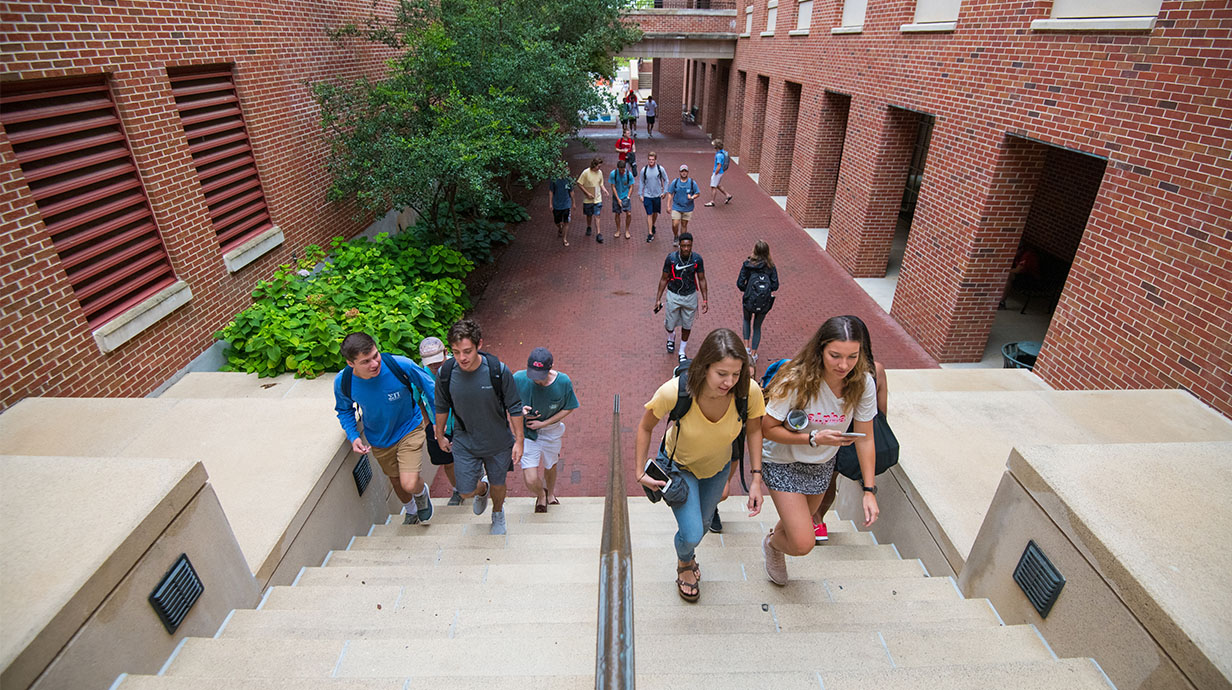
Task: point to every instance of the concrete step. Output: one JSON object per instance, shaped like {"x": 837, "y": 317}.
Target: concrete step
{"x": 1070, "y": 674}
{"x": 574, "y": 655}
{"x": 424, "y": 537}
{"x": 436, "y": 594}
{"x": 711, "y": 550}
{"x": 732, "y": 532}
{"x": 444, "y": 621}
{"x": 591, "y": 507}
{"x": 646, "y": 569}
{"x": 186, "y": 683}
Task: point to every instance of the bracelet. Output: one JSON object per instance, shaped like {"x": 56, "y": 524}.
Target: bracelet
{"x": 754, "y": 471}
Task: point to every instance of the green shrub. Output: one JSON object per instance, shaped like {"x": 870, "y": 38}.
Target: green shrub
{"x": 394, "y": 289}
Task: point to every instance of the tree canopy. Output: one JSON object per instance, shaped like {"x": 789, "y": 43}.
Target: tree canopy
{"x": 480, "y": 91}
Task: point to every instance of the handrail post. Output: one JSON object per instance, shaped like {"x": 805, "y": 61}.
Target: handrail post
{"x": 614, "y": 643}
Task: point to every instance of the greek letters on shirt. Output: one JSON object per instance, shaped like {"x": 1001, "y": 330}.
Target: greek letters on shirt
{"x": 394, "y": 396}
{"x": 827, "y": 418}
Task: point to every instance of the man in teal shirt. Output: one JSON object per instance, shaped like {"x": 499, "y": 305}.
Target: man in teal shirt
{"x": 621, "y": 182}
{"x": 547, "y": 398}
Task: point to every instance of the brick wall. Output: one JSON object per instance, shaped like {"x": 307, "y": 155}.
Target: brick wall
{"x": 1068, "y": 185}
{"x": 669, "y": 74}
{"x": 780, "y": 135}
{"x": 275, "y": 48}
{"x": 820, "y": 133}
{"x": 753, "y": 125}
{"x": 735, "y": 112}
{"x": 1149, "y": 299}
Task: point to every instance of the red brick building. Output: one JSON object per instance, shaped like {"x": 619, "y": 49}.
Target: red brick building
{"x": 156, "y": 160}
{"x": 1105, "y": 142}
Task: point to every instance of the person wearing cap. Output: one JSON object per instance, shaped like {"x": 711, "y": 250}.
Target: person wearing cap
{"x": 431, "y": 355}
{"x": 394, "y": 417}
{"x": 683, "y": 190}
{"x": 547, "y": 398}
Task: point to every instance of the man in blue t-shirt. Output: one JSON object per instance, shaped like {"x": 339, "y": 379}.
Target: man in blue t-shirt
{"x": 560, "y": 195}
{"x": 621, "y": 182}
{"x": 722, "y": 159}
{"x": 683, "y": 190}
{"x": 547, "y": 397}
{"x": 394, "y": 422}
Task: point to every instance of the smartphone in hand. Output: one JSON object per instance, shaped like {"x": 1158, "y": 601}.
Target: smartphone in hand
{"x": 852, "y": 434}
{"x": 656, "y": 472}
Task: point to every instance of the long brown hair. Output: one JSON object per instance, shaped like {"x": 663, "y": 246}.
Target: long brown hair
{"x": 719, "y": 344}
{"x": 761, "y": 252}
{"x": 801, "y": 379}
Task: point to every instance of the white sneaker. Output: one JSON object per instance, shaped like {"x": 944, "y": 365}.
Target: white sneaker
{"x": 498, "y": 522}
{"x": 481, "y": 502}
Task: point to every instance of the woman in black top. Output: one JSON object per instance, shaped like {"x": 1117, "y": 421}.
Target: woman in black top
{"x": 758, "y": 280}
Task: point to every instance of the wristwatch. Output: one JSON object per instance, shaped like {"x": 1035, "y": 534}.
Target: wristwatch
{"x": 871, "y": 489}
{"x": 813, "y": 438}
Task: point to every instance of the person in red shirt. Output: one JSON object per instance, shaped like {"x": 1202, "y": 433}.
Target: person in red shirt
{"x": 1026, "y": 263}
{"x": 625, "y": 145}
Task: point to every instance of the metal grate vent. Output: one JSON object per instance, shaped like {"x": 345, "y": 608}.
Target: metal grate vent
{"x": 362, "y": 473}
{"x": 68, "y": 139}
{"x": 222, "y": 154}
{"x": 175, "y": 595}
{"x": 1039, "y": 579}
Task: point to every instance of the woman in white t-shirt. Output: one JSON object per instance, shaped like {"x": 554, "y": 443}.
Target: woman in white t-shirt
{"x": 831, "y": 381}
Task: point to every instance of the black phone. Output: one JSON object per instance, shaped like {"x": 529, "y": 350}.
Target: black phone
{"x": 656, "y": 472}
{"x": 658, "y": 308}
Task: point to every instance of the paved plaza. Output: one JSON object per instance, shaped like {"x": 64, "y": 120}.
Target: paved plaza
{"x": 591, "y": 304}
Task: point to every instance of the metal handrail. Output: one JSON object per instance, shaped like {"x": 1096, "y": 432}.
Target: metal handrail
{"x": 614, "y": 645}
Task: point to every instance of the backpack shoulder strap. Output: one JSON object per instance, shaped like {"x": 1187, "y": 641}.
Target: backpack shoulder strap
{"x": 742, "y": 407}
{"x": 446, "y": 375}
{"x": 347, "y": 374}
{"x": 496, "y": 374}
{"x": 416, "y": 390}
{"x": 683, "y": 400}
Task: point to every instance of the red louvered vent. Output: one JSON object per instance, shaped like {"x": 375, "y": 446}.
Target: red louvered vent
{"x": 70, "y": 144}
{"x": 218, "y": 140}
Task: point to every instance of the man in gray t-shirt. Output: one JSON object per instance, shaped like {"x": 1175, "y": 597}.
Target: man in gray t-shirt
{"x": 652, "y": 180}
{"x": 486, "y": 440}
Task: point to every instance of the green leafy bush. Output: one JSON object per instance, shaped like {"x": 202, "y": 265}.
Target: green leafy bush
{"x": 474, "y": 237}
{"x": 395, "y": 289}
{"x": 510, "y": 212}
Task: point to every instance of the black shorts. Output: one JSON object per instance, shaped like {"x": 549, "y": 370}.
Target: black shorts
{"x": 435, "y": 454}
{"x": 560, "y": 215}
{"x": 650, "y": 119}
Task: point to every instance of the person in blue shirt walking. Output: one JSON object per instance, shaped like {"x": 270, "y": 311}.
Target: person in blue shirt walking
{"x": 394, "y": 422}
{"x": 683, "y": 190}
{"x": 722, "y": 159}
{"x": 621, "y": 182}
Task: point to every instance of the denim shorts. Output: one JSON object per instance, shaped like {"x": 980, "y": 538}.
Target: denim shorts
{"x": 652, "y": 204}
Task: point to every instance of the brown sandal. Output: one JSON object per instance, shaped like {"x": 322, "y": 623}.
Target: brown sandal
{"x": 681, "y": 584}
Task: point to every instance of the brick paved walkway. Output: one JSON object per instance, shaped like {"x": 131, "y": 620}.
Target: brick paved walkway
{"x": 591, "y": 304}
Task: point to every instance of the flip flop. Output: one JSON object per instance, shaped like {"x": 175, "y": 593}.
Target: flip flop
{"x": 681, "y": 584}
{"x": 708, "y": 203}
{"x": 541, "y": 507}
{"x": 728, "y": 200}
{"x": 554, "y": 502}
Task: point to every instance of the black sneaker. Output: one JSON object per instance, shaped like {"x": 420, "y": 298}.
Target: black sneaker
{"x": 599, "y": 238}
{"x": 650, "y": 237}
{"x": 588, "y": 231}
{"x": 716, "y": 525}
{"x": 671, "y": 346}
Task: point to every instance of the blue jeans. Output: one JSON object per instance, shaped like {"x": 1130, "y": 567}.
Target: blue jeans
{"x": 693, "y": 517}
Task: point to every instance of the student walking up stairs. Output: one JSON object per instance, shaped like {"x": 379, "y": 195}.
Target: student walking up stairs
{"x": 447, "y": 605}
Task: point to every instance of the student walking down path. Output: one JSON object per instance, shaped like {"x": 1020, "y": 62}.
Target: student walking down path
{"x": 593, "y": 305}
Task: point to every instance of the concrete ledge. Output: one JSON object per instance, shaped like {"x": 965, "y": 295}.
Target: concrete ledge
{"x": 253, "y": 249}
{"x": 70, "y": 594}
{"x": 921, "y": 380}
{"x": 111, "y": 335}
{"x": 798, "y": 32}
{"x": 1095, "y": 24}
{"x": 928, "y": 27}
{"x": 847, "y": 29}
{"x": 1158, "y": 543}
{"x": 955, "y": 444}
{"x": 665, "y": 12}
{"x": 269, "y": 461}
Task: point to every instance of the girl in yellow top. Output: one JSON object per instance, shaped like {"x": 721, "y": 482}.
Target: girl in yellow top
{"x": 831, "y": 382}
{"x": 700, "y": 444}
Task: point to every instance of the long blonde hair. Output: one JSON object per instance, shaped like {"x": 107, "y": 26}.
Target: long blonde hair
{"x": 801, "y": 379}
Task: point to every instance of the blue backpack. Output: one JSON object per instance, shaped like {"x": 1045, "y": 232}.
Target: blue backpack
{"x": 771, "y": 370}
{"x": 726, "y": 160}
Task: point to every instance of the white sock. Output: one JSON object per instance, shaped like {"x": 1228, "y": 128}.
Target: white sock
{"x": 410, "y": 507}
{"x": 683, "y": 344}
{"x": 671, "y": 337}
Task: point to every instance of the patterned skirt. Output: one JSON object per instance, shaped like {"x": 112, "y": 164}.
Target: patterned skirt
{"x": 798, "y": 477}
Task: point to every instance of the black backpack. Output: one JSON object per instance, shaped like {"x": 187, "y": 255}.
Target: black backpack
{"x": 758, "y": 298}
{"x": 684, "y": 401}
{"x": 396, "y": 369}
{"x": 496, "y": 374}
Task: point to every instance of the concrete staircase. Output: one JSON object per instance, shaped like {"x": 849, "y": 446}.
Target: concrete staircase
{"x": 447, "y": 605}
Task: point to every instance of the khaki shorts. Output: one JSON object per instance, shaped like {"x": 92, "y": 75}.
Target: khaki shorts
{"x": 682, "y": 215}
{"x": 681, "y": 310}
{"x": 404, "y": 456}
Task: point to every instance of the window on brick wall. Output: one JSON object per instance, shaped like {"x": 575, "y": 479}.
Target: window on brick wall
{"x": 1100, "y": 14}
{"x": 218, "y": 141}
{"x": 853, "y": 16}
{"x": 68, "y": 139}
{"x": 748, "y": 20}
{"x": 772, "y": 16}
{"x": 934, "y": 15}
{"x": 804, "y": 15}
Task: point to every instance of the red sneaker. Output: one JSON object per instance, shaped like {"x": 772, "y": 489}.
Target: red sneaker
{"x": 820, "y": 534}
